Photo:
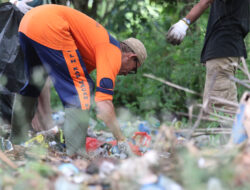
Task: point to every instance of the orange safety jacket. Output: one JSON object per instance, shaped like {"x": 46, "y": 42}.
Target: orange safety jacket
{"x": 63, "y": 28}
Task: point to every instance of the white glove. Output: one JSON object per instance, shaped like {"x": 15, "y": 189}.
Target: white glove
{"x": 177, "y": 32}
{"x": 22, "y": 5}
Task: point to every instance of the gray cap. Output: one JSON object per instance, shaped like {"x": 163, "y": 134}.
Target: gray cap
{"x": 138, "y": 47}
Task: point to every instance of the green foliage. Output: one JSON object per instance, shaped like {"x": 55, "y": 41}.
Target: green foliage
{"x": 149, "y": 21}
{"x": 179, "y": 65}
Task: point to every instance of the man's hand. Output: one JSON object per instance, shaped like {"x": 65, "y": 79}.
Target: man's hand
{"x": 22, "y": 5}
{"x": 177, "y": 32}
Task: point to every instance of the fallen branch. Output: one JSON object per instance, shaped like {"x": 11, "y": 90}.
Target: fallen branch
{"x": 246, "y": 81}
{"x": 208, "y": 130}
{"x": 217, "y": 115}
{"x": 221, "y": 117}
{"x": 203, "y": 118}
{"x": 220, "y": 110}
{"x": 243, "y": 70}
{"x": 224, "y": 101}
{"x": 205, "y": 102}
{"x": 199, "y": 118}
{"x": 210, "y": 133}
{"x": 239, "y": 81}
{"x": 171, "y": 84}
{"x": 4, "y": 158}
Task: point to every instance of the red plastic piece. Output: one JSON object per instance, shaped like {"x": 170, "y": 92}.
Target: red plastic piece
{"x": 140, "y": 139}
{"x": 92, "y": 144}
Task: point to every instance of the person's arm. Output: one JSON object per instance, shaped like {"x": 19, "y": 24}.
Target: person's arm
{"x": 106, "y": 72}
{"x": 198, "y": 10}
{"x": 177, "y": 32}
{"x": 106, "y": 112}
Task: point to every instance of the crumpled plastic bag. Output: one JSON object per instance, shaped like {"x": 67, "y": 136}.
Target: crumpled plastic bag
{"x": 11, "y": 58}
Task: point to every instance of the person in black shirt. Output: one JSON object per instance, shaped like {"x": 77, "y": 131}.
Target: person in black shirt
{"x": 223, "y": 48}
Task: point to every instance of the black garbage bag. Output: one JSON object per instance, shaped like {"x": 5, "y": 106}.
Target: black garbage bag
{"x": 6, "y": 104}
{"x": 12, "y": 76}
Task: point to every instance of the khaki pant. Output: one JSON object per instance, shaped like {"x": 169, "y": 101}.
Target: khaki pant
{"x": 218, "y": 83}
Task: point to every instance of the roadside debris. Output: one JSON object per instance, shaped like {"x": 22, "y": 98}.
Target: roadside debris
{"x": 163, "y": 159}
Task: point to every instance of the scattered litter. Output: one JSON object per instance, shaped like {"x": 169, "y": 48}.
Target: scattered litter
{"x": 139, "y": 168}
{"x": 63, "y": 184}
{"x": 81, "y": 178}
{"x": 5, "y": 144}
{"x": 106, "y": 169}
{"x": 163, "y": 183}
{"x": 52, "y": 138}
{"x": 139, "y": 144}
{"x": 51, "y": 132}
{"x": 214, "y": 183}
{"x": 201, "y": 162}
{"x": 155, "y": 164}
{"x": 68, "y": 169}
{"x": 239, "y": 133}
{"x": 144, "y": 127}
{"x": 241, "y": 124}
{"x": 58, "y": 118}
{"x": 39, "y": 139}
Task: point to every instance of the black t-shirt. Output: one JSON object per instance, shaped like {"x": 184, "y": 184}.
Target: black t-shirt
{"x": 227, "y": 27}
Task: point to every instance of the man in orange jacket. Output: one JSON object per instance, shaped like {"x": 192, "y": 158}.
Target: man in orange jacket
{"x": 67, "y": 45}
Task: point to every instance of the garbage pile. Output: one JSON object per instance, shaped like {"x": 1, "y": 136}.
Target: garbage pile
{"x": 163, "y": 159}
{"x": 167, "y": 164}
{"x": 98, "y": 143}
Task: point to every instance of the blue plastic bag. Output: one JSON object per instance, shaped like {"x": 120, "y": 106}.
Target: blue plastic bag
{"x": 239, "y": 134}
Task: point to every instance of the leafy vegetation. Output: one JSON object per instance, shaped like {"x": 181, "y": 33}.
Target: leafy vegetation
{"x": 149, "y": 21}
